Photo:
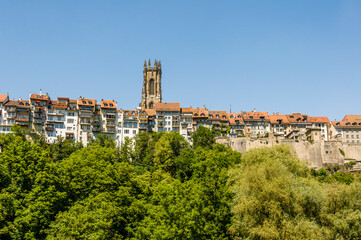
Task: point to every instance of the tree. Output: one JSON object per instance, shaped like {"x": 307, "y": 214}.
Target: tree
{"x": 203, "y": 137}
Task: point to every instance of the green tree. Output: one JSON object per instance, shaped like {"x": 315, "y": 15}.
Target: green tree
{"x": 203, "y": 137}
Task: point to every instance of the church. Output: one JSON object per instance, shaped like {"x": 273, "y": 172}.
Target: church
{"x": 152, "y": 85}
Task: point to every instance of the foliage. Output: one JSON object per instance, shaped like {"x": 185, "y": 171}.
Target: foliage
{"x": 203, "y": 137}
{"x": 161, "y": 187}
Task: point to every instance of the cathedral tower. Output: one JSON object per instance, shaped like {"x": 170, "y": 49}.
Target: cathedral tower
{"x": 152, "y": 85}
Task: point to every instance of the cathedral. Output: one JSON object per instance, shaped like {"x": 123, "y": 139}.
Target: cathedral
{"x": 152, "y": 85}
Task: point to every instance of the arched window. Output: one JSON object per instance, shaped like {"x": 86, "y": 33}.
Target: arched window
{"x": 151, "y": 86}
{"x": 151, "y": 105}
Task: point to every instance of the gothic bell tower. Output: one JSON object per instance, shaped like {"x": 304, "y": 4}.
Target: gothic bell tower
{"x": 152, "y": 85}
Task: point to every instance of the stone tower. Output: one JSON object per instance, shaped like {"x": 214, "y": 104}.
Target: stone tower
{"x": 152, "y": 85}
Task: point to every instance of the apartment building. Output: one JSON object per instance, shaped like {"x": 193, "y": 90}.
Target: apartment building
{"x": 257, "y": 124}
{"x": 108, "y": 114}
{"x": 236, "y": 125}
{"x": 168, "y": 115}
{"x": 87, "y": 116}
{"x": 348, "y": 130}
{"x": 218, "y": 121}
{"x": 278, "y": 125}
{"x": 186, "y": 123}
{"x": 127, "y": 125}
{"x": 200, "y": 118}
{"x": 39, "y": 104}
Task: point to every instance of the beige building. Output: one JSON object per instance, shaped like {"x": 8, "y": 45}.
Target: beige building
{"x": 348, "y": 130}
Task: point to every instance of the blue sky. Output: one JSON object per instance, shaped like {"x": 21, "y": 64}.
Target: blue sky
{"x": 275, "y": 56}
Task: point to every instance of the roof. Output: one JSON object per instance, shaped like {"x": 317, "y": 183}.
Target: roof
{"x": 108, "y": 104}
{"x": 39, "y": 97}
{"x": 11, "y": 103}
{"x": 219, "y": 115}
{"x": 235, "y": 119}
{"x": 251, "y": 116}
{"x": 200, "y": 113}
{"x": 86, "y": 102}
{"x": 57, "y": 104}
{"x": 167, "y": 107}
{"x": 187, "y": 110}
{"x": 297, "y": 118}
{"x": 318, "y": 120}
{"x": 23, "y": 103}
{"x": 3, "y": 98}
{"x": 278, "y": 119}
{"x": 349, "y": 121}
{"x": 150, "y": 112}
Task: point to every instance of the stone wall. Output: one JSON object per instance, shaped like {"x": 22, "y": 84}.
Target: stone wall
{"x": 316, "y": 154}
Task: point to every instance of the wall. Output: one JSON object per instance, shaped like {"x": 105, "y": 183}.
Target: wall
{"x": 317, "y": 154}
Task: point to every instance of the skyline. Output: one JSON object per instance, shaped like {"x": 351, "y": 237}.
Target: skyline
{"x": 277, "y": 57}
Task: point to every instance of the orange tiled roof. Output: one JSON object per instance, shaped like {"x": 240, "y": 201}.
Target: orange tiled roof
{"x": 200, "y": 113}
{"x": 170, "y": 107}
{"x": 150, "y": 112}
{"x": 108, "y": 104}
{"x": 187, "y": 110}
{"x": 3, "y": 98}
{"x": 249, "y": 116}
{"x": 318, "y": 119}
{"x": 278, "y": 119}
{"x": 219, "y": 115}
{"x": 39, "y": 97}
{"x": 11, "y": 103}
{"x": 235, "y": 118}
{"x": 23, "y": 103}
{"x": 349, "y": 121}
{"x": 297, "y": 118}
{"x": 86, "y": 102}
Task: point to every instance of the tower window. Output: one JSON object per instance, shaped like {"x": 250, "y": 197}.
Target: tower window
{"x": 151, "y": 86}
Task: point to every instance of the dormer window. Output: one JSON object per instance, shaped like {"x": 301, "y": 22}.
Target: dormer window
{"x": 232, "y": 116}
{"x": 251, "y": 117}
{"x": 217, "y": 116}
{"x": 105, "y": 105}
{"x": 111, "y": 105}
{"x": 348, "y": 124}
{"x": 90, "y": 102}
{"x": 298, "y": 119}
{"x": 84, "y": 102}
{"x": 202, "y": 115}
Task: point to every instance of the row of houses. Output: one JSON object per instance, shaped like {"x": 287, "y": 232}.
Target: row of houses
{"x": 83, "y": 119}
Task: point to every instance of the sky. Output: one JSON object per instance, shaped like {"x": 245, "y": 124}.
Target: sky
{"x": 276, "y": 56}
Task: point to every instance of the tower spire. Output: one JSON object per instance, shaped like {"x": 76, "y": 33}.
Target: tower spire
{"x": 149, "y": 62}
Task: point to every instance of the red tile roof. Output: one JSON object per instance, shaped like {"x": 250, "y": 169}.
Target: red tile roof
{"x": 200, "y": 113}
{"x": 250, "y": 116}
{"x": 278, "y": 119}
{"x": 86, "y": 102}
{"x": 39, "y": 97}
{"x": 108, "y": 104}
{"x": 3, "y": 98}
{"x": 349, "y": 121}
{"x": 235, "y": 118}
{"x": 167, "y": 107}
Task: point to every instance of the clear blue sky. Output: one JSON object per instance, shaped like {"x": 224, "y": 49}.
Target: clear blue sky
{"x": 276, "y": 56}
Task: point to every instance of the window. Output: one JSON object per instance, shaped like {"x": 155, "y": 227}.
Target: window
{"x": 126, "y": 131}
{"x": 151, "y": 86}
{"x": 70, "y": 121}
{"x": 134, "y": 131}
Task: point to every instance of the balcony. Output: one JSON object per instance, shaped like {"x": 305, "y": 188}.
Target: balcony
{"x": 87, "y": 115}
{"x": 96, "y": 129}
{"x": 111, "y": 124}
{"x": 55, "y": 113}
{"x": 85, "y": 123}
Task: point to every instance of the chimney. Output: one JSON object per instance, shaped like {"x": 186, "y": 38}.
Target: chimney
{"x": 41, "y": 94}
